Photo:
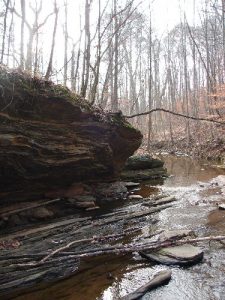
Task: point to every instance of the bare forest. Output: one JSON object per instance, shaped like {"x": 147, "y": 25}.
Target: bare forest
{"x": 112, "y": 149}
{"x": 111, "y": 53}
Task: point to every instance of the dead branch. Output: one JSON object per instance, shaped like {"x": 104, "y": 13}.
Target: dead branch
{"x": 94, "y": 239}
{"x": 121, "y": 249}
{"x": 175, "y": 114}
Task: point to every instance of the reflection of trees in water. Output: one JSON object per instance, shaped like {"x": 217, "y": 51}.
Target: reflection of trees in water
{"x": 188, "y": 170}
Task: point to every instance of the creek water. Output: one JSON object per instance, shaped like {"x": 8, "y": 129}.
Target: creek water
{"x": 198, "y": 187}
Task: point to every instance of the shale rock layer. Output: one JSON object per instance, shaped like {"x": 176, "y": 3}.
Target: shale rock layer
{"x": 51, "y": 138}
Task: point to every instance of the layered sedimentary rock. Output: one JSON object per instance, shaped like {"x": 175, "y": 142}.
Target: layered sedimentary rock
{"x": 143, "y": 167}
{"x": 51, "y": 138}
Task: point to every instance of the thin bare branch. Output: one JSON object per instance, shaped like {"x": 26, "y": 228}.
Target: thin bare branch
{"x": 175, "y": 114}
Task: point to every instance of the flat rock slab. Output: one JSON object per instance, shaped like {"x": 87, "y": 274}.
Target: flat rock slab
{"x": 135, "y": 197}
{"x": 131, "y": 184}
{"x": 179, "y": 255}
{"x": 185, "y": 251}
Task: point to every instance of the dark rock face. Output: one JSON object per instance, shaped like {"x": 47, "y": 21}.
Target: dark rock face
{"x": 145, "y": 174}
{"x": 50, "y": 138}
{"x": 111, "y": 191}
{"x": 142, "y": 162}
{"x": 143, "y": 167}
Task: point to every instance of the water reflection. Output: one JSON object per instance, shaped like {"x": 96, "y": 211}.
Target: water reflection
{"x": 186, "y": 171}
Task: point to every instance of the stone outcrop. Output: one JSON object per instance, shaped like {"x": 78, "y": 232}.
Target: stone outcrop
{"x": 143, "y": 167}
{"x": 50, "y": 139}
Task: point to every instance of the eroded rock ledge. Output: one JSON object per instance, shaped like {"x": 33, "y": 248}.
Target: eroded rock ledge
{"x": 50, "y": 139}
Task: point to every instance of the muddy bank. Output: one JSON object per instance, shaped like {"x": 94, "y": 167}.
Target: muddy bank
{"x": 210, "y": 147}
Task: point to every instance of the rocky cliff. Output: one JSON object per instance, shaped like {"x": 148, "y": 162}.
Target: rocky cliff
{"x": 50, "y": 138}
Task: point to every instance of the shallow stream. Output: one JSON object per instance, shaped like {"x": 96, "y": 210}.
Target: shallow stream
{"x": 198, "y": 189}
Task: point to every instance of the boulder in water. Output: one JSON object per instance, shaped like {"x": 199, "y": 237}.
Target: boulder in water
{"x": 142, "y": 162}
{"x": 146, "y": 174}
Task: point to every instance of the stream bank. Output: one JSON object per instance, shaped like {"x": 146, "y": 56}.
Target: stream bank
{"x": 197, "y": 188}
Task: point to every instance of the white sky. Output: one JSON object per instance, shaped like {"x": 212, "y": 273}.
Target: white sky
{"x": 165, "y": 15}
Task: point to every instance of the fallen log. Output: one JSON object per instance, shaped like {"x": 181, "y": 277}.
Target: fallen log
{"x": 160, "y": 278}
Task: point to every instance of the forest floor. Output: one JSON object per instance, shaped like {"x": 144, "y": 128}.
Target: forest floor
{"x": 204, "y": 141}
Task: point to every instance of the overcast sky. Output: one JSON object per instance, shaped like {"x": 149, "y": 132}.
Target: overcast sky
{"x": 165, "y": 15}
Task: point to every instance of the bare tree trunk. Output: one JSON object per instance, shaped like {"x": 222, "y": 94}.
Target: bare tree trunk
{"x": 28, "y": 63}
{"x": 4, "y": 30}
{"x": 65, "y": 44}
{"x": 223, "y": 30}
{"x": 72, "y": 73}
{"x": 11, "y": 38}
{"x": 87, "y": 52}
{"x": 36, "y": 12}
{"x": 98, "y": 59}
{"x": 105, "y": 88}
{"x": 23, "y": 17}
{"x": 49, "y": 69}
{"x": 150, "y": 83}
{"x": 36, "y": 54}
{"x": 116, "y": 54}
